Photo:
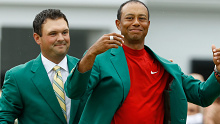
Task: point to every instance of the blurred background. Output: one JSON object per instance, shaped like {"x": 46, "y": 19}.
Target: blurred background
{"x": 182, "y": 30}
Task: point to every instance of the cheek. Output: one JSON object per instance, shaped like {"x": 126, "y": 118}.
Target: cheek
{"x": 51, "y": 40}
{"x": 124, "y": 28}
{"x": 48, "y": 42}
{"x": 66, "y": 37}
{"x": 146, "y": 26}
{"x": 67, "y": 40}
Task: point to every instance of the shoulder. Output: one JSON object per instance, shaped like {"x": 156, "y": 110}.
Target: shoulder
{"x": 105, "y": 57}
{"x": 21, "y": 72}
{"x": 72, "y": 59}
{"x": 168, "y": 65}
{"x": 22, "y": 67}
{"x": 156, "y": 56}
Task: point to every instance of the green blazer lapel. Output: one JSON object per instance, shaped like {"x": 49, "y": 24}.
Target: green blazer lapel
{"x": 170, "y": 67}
{"x": 43, "y": 84}
{"x": 74, "y": 103}
{"x": 119, "y": 62}
{"x": 71, "y": 63}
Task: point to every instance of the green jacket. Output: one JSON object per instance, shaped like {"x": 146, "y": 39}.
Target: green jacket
{"x": 109, "y": 80}
{"x": 27, "y": 94}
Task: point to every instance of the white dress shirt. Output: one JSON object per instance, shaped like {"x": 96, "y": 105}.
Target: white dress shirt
{"x": 195, "y": 119}
{"x": 48, "y": 65}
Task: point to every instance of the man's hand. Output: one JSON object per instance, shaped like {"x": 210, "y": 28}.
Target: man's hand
{"x": 216, "y": 56}
{"x": 171, "y": 60}
{"x": 216, "y": 59}
{"x": 105, "y": 43}
{"x": 100, "y": 46}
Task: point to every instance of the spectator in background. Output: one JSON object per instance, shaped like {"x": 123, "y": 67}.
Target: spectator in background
{"x": 211, "y": 114}
{"x": 33, "y": 92}
{"x": 194, "y": 114}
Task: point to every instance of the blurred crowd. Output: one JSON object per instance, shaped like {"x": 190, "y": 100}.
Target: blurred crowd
{"x": 207, "y": 115}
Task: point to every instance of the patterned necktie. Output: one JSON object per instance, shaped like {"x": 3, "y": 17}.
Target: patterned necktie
{"x": 59, "y": 88}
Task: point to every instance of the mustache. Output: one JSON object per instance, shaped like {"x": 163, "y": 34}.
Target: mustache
{"x": 60, "y": 43}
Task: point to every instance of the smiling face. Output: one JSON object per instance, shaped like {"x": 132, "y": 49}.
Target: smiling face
{"x": 134, "y": 23}
{"x": 55, "y": 40}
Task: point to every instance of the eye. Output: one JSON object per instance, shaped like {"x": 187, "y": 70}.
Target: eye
{"x": 53, "y": 33}
{"x": 65, "y": 32}
{"x": 142, "y": 18}
{"x": 129, "y": 18}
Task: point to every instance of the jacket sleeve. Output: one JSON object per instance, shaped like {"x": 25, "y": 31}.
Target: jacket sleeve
{"x": 10, "y": 100}
{"x": 78, "y": 83}
{"x": 201, "y": 93}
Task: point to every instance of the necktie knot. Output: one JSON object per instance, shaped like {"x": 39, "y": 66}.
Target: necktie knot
{"x": 56, "y": 68}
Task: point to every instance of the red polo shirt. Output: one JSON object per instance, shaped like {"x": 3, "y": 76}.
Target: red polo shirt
{"x": 144, "y": 103}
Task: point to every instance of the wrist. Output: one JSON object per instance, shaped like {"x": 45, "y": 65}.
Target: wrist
{"x": 217, "y": 73}
{"x": 91, "y": 52}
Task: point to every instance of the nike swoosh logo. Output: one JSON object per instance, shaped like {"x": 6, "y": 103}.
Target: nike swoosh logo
{"x": 153, "y": 72}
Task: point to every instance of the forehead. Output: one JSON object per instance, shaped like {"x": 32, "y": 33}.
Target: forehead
{"x": 54, "y": 24}
{"x": 134, "y": 8}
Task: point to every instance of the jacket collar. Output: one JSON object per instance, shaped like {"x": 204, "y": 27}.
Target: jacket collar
{"x": 170, "y": 67}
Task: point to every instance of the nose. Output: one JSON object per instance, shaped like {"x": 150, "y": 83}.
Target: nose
{"x": 60, "y": 37}
{"x": 136, "y": 22}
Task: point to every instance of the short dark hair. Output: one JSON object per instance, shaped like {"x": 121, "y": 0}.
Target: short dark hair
{"x": 129, "y": 1}
{"x": 45, "y": 14}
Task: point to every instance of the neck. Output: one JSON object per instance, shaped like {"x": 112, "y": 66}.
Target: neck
{"x": 55, "y": 59}
{"x": 135, "y": 46}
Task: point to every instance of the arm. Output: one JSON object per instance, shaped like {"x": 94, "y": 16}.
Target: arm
{"x": 78, "y": 80}
{"x": 203, "y": 93}
{"x": 10, "y": 101}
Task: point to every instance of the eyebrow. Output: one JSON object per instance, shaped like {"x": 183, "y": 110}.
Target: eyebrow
{"x": 134, "y": 14}
{"x": 66, "y": 29}
{"x": 58, "y": 31}
{"x": 143, "y": 15}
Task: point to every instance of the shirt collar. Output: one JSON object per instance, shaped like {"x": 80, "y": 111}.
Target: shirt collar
{"x": 48, "y": 65}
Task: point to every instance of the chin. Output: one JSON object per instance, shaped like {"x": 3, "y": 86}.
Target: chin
{"x": 135, "y": 38}
{"x": 61, "y": 53}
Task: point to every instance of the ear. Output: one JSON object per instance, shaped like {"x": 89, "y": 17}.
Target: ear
{"x": 118, "y": 24}
{"x": 148, "y": 24}
{"x": 37, "y": 38}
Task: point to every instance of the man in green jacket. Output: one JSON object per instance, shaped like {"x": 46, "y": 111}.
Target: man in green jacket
{"x": 30, "y": 90}
{"x": 131, "y": 84}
